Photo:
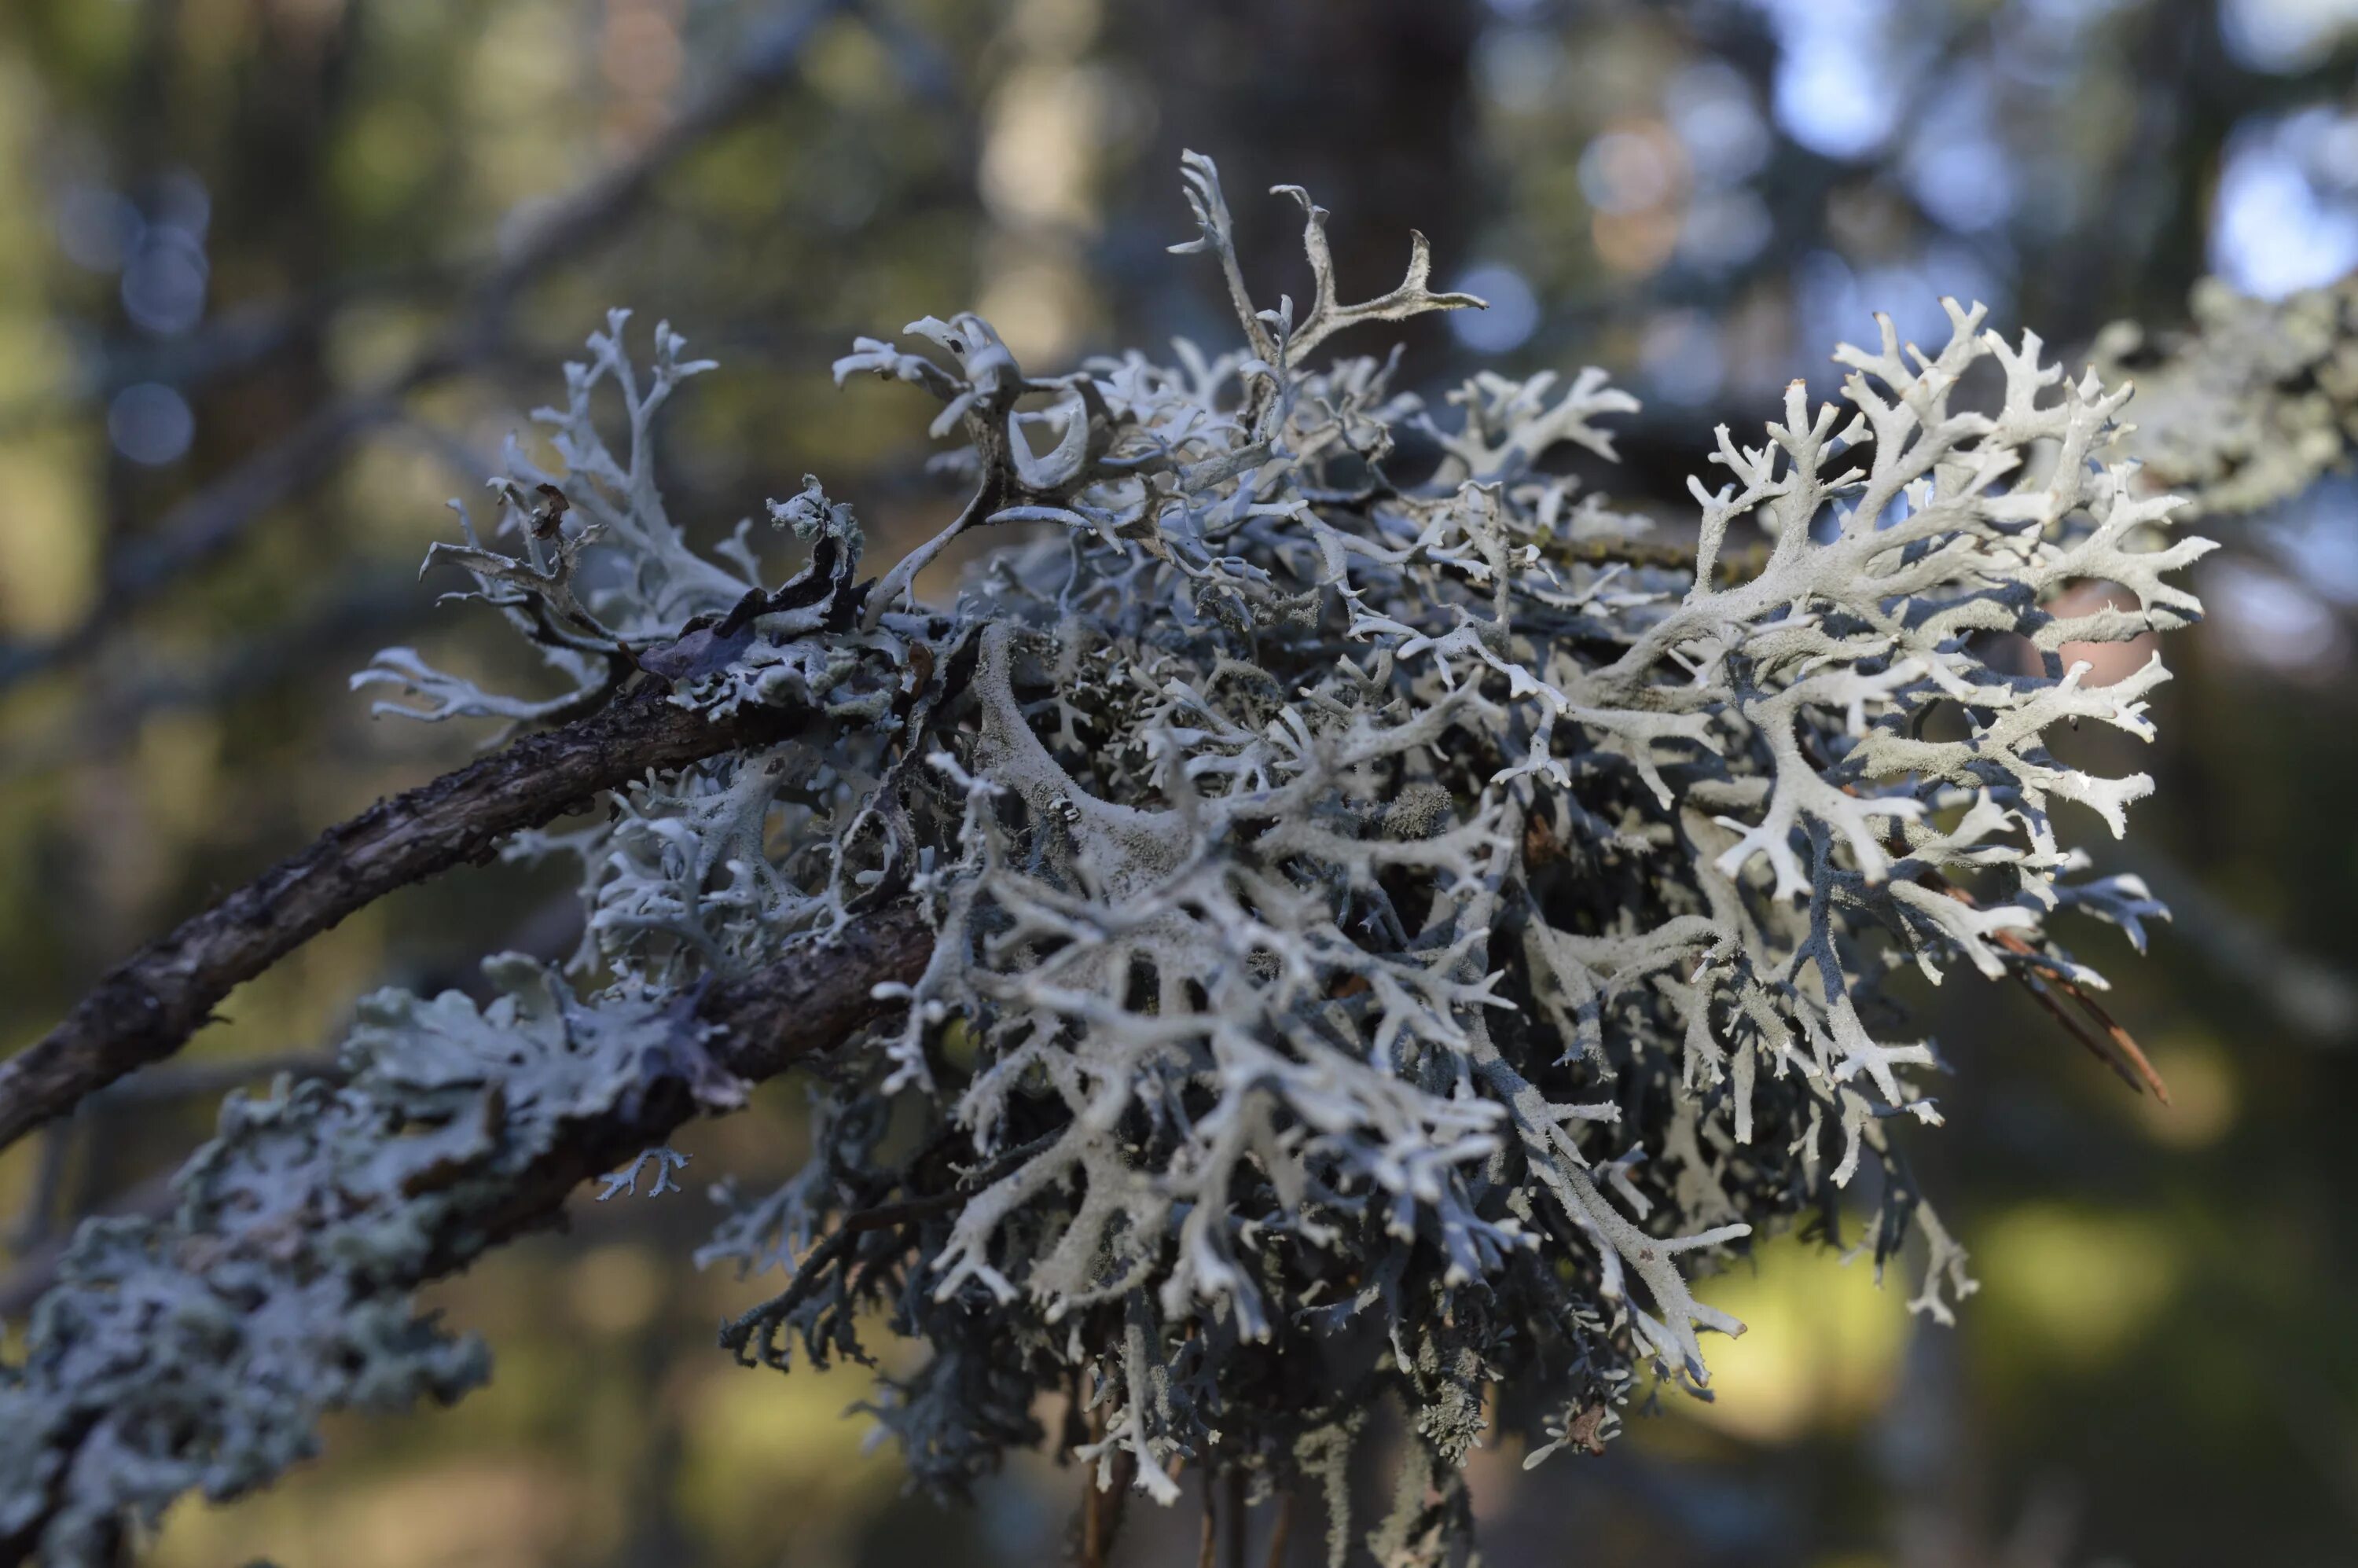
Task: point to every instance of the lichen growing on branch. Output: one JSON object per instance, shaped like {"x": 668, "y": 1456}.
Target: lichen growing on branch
{"x": 2252, "y": 402}
{"x": 1394, "y": 931}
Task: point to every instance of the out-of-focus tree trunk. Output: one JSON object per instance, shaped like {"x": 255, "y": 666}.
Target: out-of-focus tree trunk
{"x": 1364, "y": 102}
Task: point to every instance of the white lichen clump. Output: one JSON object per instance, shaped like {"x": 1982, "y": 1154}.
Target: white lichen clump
{"x": 1394, "y": 927}
{"x": 1375, "y": 915}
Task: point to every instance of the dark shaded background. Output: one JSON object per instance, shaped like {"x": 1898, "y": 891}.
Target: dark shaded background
{"x": 278, "y": 276}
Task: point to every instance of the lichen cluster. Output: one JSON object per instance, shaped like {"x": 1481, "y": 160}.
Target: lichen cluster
{"x": 2252, "y": 402}
{"x": 197, "y": 1353}
{"x": 1395, "y": 927}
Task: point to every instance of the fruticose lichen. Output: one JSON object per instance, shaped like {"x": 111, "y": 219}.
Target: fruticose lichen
{"x": 1393, "y": 930}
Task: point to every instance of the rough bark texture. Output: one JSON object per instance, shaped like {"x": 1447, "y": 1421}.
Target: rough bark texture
{"x": 147, "y": 1006}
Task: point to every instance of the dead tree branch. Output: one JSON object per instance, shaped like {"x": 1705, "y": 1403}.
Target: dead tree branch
{"x": 143, "y": 1008}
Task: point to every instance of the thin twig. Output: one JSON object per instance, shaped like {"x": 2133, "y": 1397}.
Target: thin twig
{"x": 2118, "y": 1050}
{"x": 41, "y": 1203}
{"x": 2124, "y": 1054}
{"x": 1733, "y": 567}
{"x": 1282, "y": 1530}
{"x": 213, "y": 1078}
{"x": 146, "y": 1007}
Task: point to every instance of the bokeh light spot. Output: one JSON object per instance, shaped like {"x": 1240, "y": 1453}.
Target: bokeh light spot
{"x": 150, "y": 423}
{"x": 1513, "y": 315}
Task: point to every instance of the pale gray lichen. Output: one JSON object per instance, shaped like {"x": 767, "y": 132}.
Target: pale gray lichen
{"x": 1386, "y": 944}
{"x": 199, "y": 1352}
{"x": 1344, "y": 886}
{"x": 2251, "y": 402}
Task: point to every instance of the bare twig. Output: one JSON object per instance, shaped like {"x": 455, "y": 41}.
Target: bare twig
{"x": 48, "y": 1179}
{"x": 1732, "y": 567}
{"x": 2118, "y": 1049}
{"x": 204, "y": 1078}
{"x": 147, "y": 1006}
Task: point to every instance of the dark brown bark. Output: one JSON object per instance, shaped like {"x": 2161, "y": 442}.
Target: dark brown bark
{"x": 147, "y": 1006}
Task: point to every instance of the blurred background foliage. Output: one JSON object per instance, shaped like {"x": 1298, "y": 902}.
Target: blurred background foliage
{"x": 278, "y": 276}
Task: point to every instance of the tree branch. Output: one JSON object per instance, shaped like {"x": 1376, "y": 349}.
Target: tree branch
{"x": 324, "y": 1234}
{"x": 809, "y": 999}
{"x": 147, "y": 1006}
